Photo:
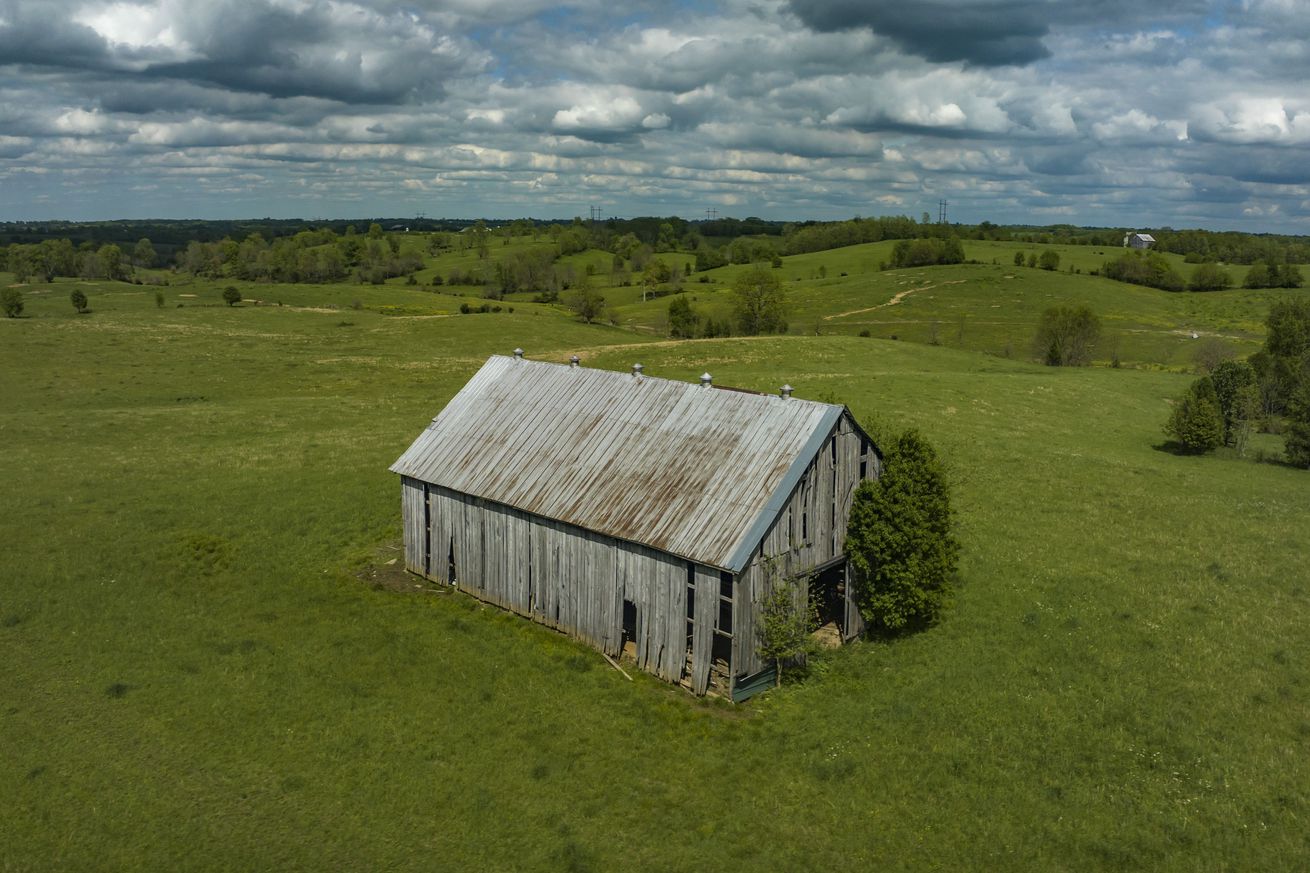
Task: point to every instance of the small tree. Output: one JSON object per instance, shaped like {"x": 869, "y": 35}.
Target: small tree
{"x": 1050, "y": 260}
{"x": 900, "y": 538}
{"x": 1067, "y": 336}
{"x": 1196, "y": 420}
{"x": 11, "y": 299}
{"x": 231, "y": 296}
{"x": 159, "y": 299}
{"x": 1018, "y": 259}
{"x": 585, "y": 301}
{"x": 1209, "y": 277}
{"x": 760, "y": 302}
{"x": 1297, "y": 439}
{"x": 1233, "y": 383}
{"x": 785, "y": 627}
{"x": 78, "y": 299}
{"x": 683, "y": 321}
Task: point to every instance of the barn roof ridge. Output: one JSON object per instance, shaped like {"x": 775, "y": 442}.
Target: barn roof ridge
{"x": 671, "y": 465}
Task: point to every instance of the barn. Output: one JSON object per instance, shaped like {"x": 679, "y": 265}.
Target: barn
{"x": 644, "y": 516}
{"x": 1138, "y": 241}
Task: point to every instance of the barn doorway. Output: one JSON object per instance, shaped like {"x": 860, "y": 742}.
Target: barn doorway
{"x": 828, "y": 596}
{"x": 629, "y": 629}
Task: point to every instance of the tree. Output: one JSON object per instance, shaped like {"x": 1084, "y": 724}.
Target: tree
{"x": 11, "y": 300}
{"x": 683, "y": 321}
{"x": 1018, "y": 259}
{"x": 585, "y": 301}
{"x": 656, "y": 273}
{"x": 231, "y": 296}
{"x": 900, "y": 538}
{"x": 78, "y": 299}
{"x": 785, "y": 627}
{"x": 1067, "y": 336}
{"x": 159, "y": 299}
{"x": 1209, "y": 277}
{"x": 1210, "y": 353}
{"x": 760, "y": 302}
{"x": 1050, "y": 260}
{"x": 143, "y": 254}
{"x": 1257, "y": 276}
{"x": 1196, "y": 421}
{"x": 1297, "y": 439}
{"x": 1234, "y": 383}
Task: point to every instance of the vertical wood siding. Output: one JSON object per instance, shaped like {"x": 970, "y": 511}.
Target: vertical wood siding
{"x": 577, "y": 581}
{"x": 809, "y": 531}
{"x": 564, "y": 577}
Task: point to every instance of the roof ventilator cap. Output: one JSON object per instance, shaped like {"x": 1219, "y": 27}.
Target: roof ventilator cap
{"x": 636, "y": 370}
{"x": 518, "y": 353}
{"x": 573, "y": 361}
{"x": 705, "y": 380}
{"x": 785, "y": 391}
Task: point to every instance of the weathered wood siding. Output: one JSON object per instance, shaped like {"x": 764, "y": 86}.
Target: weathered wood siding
{"x": 809, "y": 532}
{"x": 570, "y": 579}
{"x": 578, "y": 581}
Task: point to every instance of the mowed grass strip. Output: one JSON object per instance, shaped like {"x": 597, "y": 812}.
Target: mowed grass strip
{"x": 200, "y": 675}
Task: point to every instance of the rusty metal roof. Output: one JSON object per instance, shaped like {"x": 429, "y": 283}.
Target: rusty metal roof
{"x": 680, "y": 467}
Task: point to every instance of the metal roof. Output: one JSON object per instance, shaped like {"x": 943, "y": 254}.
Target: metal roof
{"x": 684, "y": 468}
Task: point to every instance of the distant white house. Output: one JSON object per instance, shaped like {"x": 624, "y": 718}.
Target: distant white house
{"x": 1138, "y": 240}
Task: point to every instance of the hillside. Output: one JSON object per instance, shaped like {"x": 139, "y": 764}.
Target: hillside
{"x": 212, "y": 663}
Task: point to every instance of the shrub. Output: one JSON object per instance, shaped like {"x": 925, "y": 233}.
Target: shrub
{"x": 465, "y": 309}
{"x": 231, "y": 296}
{"x": 1209, "y": 277}
{"x": 900, "y": 539}
{"x": 1196, "y": 421}
{"x": 11, "y": 300}
{"x": 1237, "y": 396}
{"x": 785, "y": 627}
{"x": 683, "y": 320}
{"x": 1067, "y": 336}
{"x": 1018, "y": 259}
{"x": 1297, "y": 437}
{"x": 1050, "y": 260}
{"x": 159, "y": 299}
{"x": 78, "y": 299}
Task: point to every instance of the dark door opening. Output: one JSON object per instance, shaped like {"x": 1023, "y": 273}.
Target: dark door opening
{"x": 630, "y": 629}
{"x": 828, "y": 594}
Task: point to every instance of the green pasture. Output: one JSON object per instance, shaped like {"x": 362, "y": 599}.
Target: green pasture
{"x": 211, "y": 661}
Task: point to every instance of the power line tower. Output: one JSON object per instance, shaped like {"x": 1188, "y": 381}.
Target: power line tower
{"x": 712, "y": 214}
{"x": 941, "y": 211}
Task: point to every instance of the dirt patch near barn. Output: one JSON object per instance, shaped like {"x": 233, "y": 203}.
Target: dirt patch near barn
{"x": 384, "y": 570}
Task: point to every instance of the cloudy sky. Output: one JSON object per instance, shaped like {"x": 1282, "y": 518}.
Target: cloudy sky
{"x": 1180, "y": 112}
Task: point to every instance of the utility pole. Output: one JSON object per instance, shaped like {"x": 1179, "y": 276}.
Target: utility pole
{"x": 941, "y": 211}
{"x": 712, "y": 214}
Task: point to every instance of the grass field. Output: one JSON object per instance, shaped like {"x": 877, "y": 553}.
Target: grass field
{"x": 210, "y": 662}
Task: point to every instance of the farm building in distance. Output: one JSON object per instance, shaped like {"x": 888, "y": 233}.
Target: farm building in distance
{"x": 637, "y": 513}
{"x": 1138, "y": 240}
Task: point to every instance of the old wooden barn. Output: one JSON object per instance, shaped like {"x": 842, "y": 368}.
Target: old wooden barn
{"x": 636, "y": 513}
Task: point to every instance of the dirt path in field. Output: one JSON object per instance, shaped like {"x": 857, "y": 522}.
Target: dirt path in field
{"x": 896, "y": 298}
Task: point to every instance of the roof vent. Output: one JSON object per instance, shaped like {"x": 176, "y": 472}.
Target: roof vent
{"x": 705, "y": 380}
{"x": 636, "y": 370}
{"x": 518, "y": 353}
{"x": 574, "y": 361}
{"x": 785, "y": 391}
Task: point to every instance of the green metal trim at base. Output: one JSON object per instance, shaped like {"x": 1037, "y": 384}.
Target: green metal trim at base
{"x": 746, "y": 687}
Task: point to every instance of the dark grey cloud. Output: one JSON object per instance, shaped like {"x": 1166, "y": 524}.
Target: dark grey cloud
{"x": 985, "y": 33}
{"x": 1105, "y": 112}
{"x": 995, "y": 33}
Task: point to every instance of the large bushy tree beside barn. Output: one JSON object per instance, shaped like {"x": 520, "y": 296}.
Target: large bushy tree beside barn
{"x": 900, "y": 538}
